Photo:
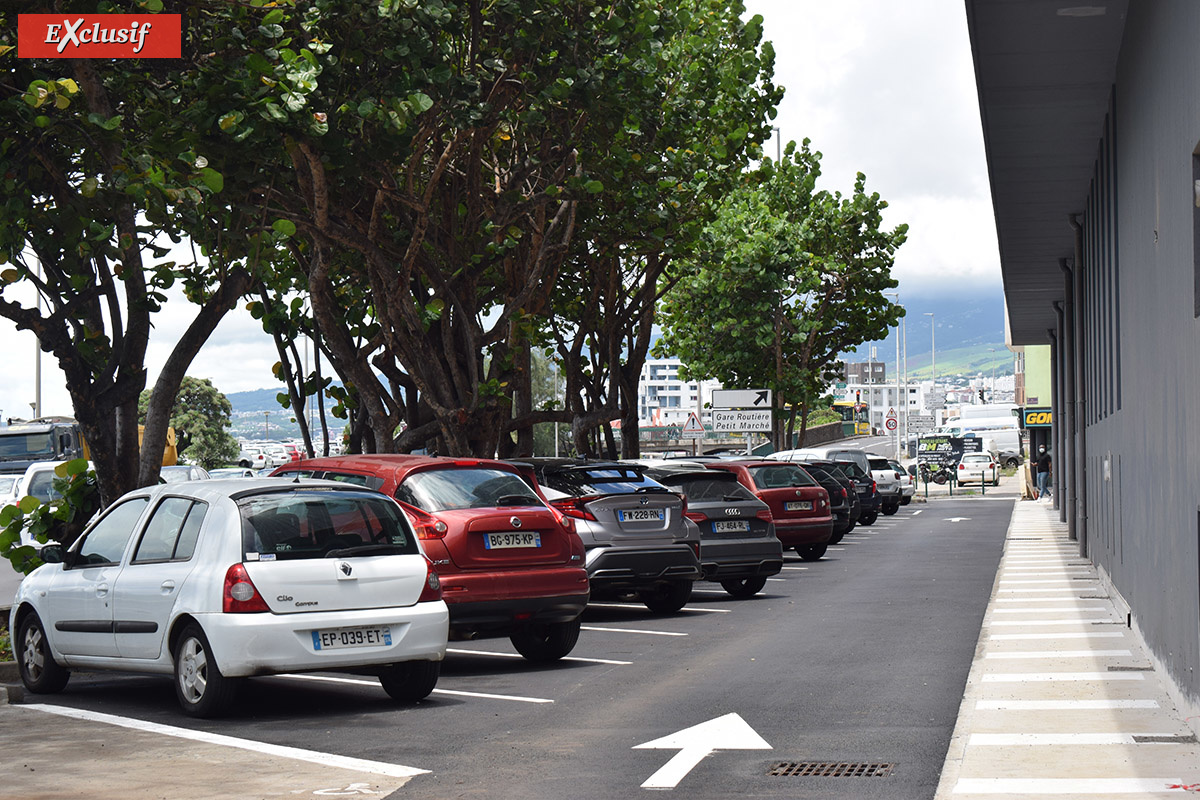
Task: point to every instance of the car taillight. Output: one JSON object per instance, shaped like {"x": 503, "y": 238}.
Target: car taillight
{"x": 240, "y": 595}
{"x": 695, "y": 548}
{"x": 574, "y": 507}
{"x": 765, "y": 515}
{"x": 874, "y": 487}
{"x": 962, "y": 466}
{"x": 425, "y": 525}
{"x": 433, "y": 585}
{"x": 696, "y": 516}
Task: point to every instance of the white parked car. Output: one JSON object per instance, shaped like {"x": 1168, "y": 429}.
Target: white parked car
{"x": 253, "y": 458}
{"x": 214, "y": 581}
{"x": 888, "y": 482}
{"x": 978, "y": 467}
{"x": 908, "y": 486}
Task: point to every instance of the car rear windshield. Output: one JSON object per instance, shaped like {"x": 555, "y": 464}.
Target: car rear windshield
{"x": 879, "y": 463}
{"x": 852, "y": 470}
{"x": 780, "y": 476}
{"x": 601, "y": 480}
{"x": 701, "y": 487}
{"x": 302, "y": 524}
{"x": 819, "y": 474}
{"x": 473, "y": 487}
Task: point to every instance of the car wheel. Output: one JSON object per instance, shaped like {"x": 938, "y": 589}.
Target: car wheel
{"x": 1012, "y": 462}
{"x": 666, "y": 598}
{"x": 40, "y": 673}
{"x": 905, "y": 500}
{"x": 995, "y": 481}
{"x": 890, "y": 508}
{"x": 811, "y": 552}
{"x": 742, "y": 588}
{"x": 546, "y": 641}
{"x": 244, "y": 464}
{"x": 410, "y": 681}
{"x": 837, "y": 537}
{"x": 940, "y": 479}
{"x": 201, "y": 688}
{"x": 868, "y": 518}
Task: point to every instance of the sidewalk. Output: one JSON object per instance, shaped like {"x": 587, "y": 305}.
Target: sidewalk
{"x": 1062, "y": 701}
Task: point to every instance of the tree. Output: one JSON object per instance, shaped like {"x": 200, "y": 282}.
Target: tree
{"x": 200, "y": 417}
{"x": 789, "y": 278}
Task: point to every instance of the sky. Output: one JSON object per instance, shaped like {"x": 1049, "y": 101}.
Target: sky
{"x": 880, "y": 87}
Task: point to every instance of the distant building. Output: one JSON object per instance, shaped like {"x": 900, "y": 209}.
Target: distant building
{"x": 866, "y": 372}
{"x": 664, "y": 399}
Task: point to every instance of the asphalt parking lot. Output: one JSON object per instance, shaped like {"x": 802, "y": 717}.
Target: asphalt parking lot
{"x": 858, "y": 658}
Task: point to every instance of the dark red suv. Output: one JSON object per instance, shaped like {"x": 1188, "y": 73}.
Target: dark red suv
{"x": 799, "y": 506}
{"x": 509, "y": 565}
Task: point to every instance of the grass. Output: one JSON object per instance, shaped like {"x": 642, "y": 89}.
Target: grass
{"x": 6, "y": 653}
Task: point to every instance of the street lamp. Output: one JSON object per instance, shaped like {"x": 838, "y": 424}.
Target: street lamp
{"x": 266, "y": 425}
{"x": 932, "y": 348}
{"x": 993, "y": 397}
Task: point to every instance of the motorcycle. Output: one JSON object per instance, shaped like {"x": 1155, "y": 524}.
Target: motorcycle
{"x": 937, "y": 473}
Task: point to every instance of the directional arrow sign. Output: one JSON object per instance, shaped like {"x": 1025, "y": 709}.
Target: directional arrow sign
{"x": 741, "y": 398}
{"x": 729, "y": 732}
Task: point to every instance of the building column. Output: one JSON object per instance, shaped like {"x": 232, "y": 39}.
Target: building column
{"x": 1055, "y": 433}
{"x": 1067, "y": 455}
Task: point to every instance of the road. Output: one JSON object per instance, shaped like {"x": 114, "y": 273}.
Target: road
{"x": 861, "y": 657}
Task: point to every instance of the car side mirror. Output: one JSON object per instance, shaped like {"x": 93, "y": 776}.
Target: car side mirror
{"x": 53, "y": 554}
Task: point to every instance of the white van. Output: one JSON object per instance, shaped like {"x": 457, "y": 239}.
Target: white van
{"x": 1002, "y": 431}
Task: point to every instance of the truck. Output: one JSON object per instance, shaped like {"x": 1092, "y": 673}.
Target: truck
{"x": 55, "y": 439}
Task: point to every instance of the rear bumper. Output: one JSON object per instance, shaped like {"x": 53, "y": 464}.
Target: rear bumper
{"x": 740, "y": 558}
{"x": 633, "y": 567}
{"x": 504, "y": 616}
{"x": 817, "y": 530}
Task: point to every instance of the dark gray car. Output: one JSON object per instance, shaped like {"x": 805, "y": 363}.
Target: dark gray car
{"x": 738, "y": 546}
{"x": 632, "y": 528}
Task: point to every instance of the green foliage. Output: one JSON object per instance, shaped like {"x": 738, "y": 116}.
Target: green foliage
{"x": 60, "y": 520}
{"x": 788, "y": 277}
{"x": 200, "y": 417}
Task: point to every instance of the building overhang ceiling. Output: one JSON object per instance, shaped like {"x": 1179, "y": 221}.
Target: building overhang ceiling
{"x": 1044, "y": 72}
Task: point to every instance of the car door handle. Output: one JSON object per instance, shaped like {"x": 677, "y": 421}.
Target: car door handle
{"x": 167, "y": 587}
{"x": 101, "y": 589}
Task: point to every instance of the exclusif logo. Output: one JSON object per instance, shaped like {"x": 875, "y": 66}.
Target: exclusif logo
{"x": 99, "y": 35}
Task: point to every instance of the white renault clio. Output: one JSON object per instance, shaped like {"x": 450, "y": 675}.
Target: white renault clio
{"x": 213, "y": 581}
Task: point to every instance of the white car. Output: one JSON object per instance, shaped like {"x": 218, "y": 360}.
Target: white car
{"x": 215, "y": 581}
{"x": 908, "y": 486}
{"x": 979, "y": 467}
{"x": 253, "y": 458}
{"x": 888, "y": 482}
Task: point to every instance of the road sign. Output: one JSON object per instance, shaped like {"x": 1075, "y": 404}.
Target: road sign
{"x": 741, "y": 398}
{"x": 696, "y": 743}
{"x": 692, "y": 429}
{"x": 737, "y": 421}
{"x": 890, "y": 423}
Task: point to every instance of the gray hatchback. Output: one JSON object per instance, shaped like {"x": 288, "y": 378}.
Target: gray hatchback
{"x": 738, "y": 546}
{"x": 632, "y": 527}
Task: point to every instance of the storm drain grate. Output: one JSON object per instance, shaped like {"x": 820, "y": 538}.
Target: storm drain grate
{"x": 1165, "y": 739}
{"x": 828, "y": 769}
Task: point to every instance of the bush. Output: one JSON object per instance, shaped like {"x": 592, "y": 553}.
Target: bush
{"x": 60, "y": 520}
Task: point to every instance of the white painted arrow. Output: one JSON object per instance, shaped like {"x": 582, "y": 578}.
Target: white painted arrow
{"x": 729, "y": 732}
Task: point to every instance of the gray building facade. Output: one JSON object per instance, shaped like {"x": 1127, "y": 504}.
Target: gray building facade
{"x": 1091, "y": 117}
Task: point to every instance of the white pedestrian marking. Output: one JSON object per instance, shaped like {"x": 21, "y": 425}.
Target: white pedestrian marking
{"x": 796, "y": 568}
{"x": 778, "y": 580}
{"x": 729, "y": 732}
{"x": 357, "y": 682}
{"x": 1048, "y": 739}
{"x": 1073, "y": 786}
{"x": 1060, "y": 677}
{"x": 294, "y": 753}
{"x": 918, "y": 511}
{"x": 1061, "y": 705}
{"x": 628, "y": 630}
{"x": 1058, "y": 599}
{"x": 1063, "y": 590}
{"x": 492, "y": 653}
{"x": 1059, "y": 654}
{"x": 1016, "y": 637}
{"x": 1026, "y": 582}
{"x": 1046, "y": 609}
{"x": 1016, "y": 623}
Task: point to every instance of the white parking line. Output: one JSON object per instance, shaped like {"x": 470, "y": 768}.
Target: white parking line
{"x": 1061, "y": 580}
{"x": 629, "y": 630}
{"x": 357, "y": 682}
{"x": 496, "y": 654}
{"x": 294, "y": 753}
{"x": 1063, "y": 590}
{"x": 1056, "y": 609}
{"x": 796, "y": 568}
{"x": 1061, "y": 705}
{"x": 1016, "y": 623}
{"x": 1058, "y": 599}
{"x": 778, "y": 580}
{"x": 641, "y": 607}
{"x": 918, "y": 511}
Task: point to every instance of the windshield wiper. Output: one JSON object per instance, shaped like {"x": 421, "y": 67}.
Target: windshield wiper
{"x": 730, "y": 498}
{"x": 518, "y": 500}
{"x": 366, "y": 550}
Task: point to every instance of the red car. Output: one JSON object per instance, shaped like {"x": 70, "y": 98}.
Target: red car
{"x": 799, "y": 506}
{"x": 509, "y": 565}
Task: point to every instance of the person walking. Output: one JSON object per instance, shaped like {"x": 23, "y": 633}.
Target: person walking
{"x": 1043, "y": 471}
